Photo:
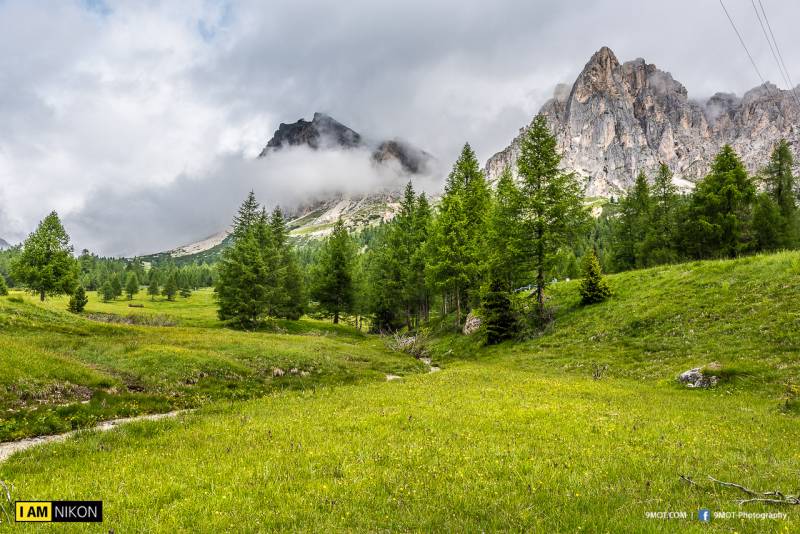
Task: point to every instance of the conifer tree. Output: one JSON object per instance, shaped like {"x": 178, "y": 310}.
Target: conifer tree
{"x": 455, "y": 250}
{"x": 633, "y": 224}
{"x": 552, "y": 202}
{"x": 593, "y": 288}
{"x": 153, "y": 289}
{"x": 132, "y": 285}
{"x": 46, "y": 265}
{"x": 170, "y": 287}
{"x": 781, "y": 185}
{"x": 107, "y": 291}
{"x": 116, "y": 285}
{"x": 721, "y": 209}
{"x": 246, "y": 217}
{"x": 505, "y": 245}
{"x": 498, "y": 316}
{"x": 291, "y": 299}
{"x": 78, "y": 300}
{"x": 768, "y": 224}
{"x": 3, "y": 286}
{"x": 660, "y": 242}
{"x": 333, "y": 280}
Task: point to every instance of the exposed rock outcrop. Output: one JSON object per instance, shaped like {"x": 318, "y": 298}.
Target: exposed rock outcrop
{"x": 325, "y": 132}
{"x": 620, "y": 118}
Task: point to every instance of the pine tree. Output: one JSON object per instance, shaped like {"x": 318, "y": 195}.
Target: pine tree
{"x": 660, "y": 242}
{"x": 185, "y": 291}
{"x": 633, "y": 224}
{"x": 241, "y": 292}
{"x": 153, "y": 289}
{"x": 78, "y": 300}
{"x": 593, "y": 288}
{"x": 498, "y": 316}
{"x": 170, "y": 287}
{"x": 3, "y": 286}
{"x": 116, "y": 285}
{"x": 290, "y": 299}
{"x": 132, "y": 285}
{"x": 107, "y": 291}
{"x": 455, "y": 249}
{"x": 246, "y": 217}
{"x": 504, "y": 245}
{"x": 768, "y": 223}
{"x": 552, "y": 202}
{"x": 781, "y": 185}
{"x": 720, "y": 213}
{"x": 333, "y": 287}
{"x": 46, "y": 265}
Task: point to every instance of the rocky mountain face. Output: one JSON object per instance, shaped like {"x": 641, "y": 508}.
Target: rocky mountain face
{"x": 325, "y": 132}
{"x": 4, "y": 244}
{"x": 620, "y": 118}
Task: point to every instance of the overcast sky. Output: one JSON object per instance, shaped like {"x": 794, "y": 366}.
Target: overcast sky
{"x": 138, "y": 121}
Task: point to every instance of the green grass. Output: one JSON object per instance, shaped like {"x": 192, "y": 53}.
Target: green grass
{"x": 54, "y": 362}
{"x": 513, "y": 438}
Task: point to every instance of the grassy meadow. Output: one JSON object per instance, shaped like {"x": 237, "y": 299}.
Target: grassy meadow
{"x": 518, "y": 437}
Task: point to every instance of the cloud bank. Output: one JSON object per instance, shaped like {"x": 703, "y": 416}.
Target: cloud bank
{"x": 112, "y": 112}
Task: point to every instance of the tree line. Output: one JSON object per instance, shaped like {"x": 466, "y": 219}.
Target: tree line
{"x": 479, "y": 249}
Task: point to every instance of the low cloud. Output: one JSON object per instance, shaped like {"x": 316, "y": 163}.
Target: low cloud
{"x": 192, "y": 207}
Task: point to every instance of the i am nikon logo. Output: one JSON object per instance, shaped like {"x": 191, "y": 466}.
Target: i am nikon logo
{"x": 58, "y": 511}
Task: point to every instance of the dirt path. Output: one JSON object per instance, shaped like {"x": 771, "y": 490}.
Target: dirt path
{"x": 10, "y": 447}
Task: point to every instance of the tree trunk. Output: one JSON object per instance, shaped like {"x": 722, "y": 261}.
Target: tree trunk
{"x": 540, "y": 274}
{"x": 336, "y": 317}
{"x": 458, "y": 308}
{"x": 41, "y": 295}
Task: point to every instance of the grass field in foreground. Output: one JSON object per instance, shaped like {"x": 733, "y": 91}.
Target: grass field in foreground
{"x": 480, "y": 446}
{"x": 516, "y": 437}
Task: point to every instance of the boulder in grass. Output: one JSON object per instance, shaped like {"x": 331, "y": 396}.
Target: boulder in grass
{"x": 701, "y": 377}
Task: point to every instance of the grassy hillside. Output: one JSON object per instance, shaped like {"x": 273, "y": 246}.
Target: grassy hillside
{"x": 62, "y": 371}
{"x": 516, "y": 437}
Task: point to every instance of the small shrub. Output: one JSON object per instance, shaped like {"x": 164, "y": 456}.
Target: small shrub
{"x": 78, "y": 300}
{"x": 593, "y": 288}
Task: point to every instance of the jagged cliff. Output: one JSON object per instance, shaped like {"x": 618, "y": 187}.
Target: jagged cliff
{"x": 620, "y": 118}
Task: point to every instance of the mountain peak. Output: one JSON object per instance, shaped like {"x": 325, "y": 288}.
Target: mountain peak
{"x": 620, "y": 119}
{"x": 322, "y": 132}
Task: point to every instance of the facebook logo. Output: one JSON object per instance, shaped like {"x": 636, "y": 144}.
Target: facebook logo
{"x": 704, "y": 515}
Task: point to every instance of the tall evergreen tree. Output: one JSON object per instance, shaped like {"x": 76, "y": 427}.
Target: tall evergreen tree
{"x": 132, "y": 285}
{"x": 720, "y": 213}
{"x": 552, "y": 202}
{"x": 768, "y": 224}
{"x": 498, "y": 316}
{"x": 116, "y": 285}
{"x": 107, "y": 291}
{"x": 170, "y": 287}
{"x": 246, "y": 217}
{"x": 660, "y": 242}
{"x": 46, "y": 265}
{"x": 504, "y": 247}
{"x": 333, "y": 284}
{"x": 455, "y": 259}
{"x": 290, "y": 300}
{"x": 3, "y": 286}
{"x": 153, "y": 289}
{"x": 633, "y": 224}
{"x": 781, "y": 185}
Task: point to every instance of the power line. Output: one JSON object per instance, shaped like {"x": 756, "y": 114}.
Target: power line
{"x": 788, "y": 77}
{"x": 749, "y": 55}
{"x": 769, "y": 42}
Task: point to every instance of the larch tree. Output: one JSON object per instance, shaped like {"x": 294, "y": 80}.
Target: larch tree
{"x": 333, "y": 277}
{"x": 46, "y": 265}
{"x": 552, "y": 203}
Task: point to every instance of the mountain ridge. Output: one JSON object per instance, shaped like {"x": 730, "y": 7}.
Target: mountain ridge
{"x": 620, "y": 118}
